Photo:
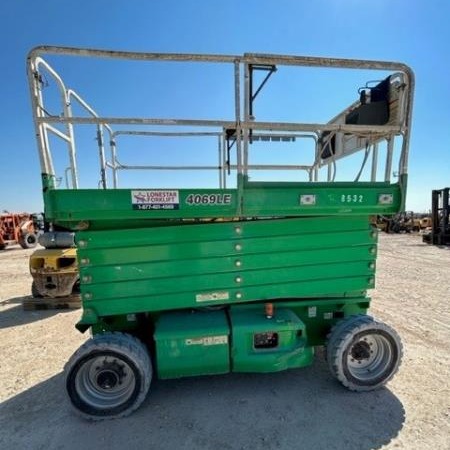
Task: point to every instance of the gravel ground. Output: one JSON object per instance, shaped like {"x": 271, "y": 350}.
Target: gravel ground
{"x": 297, "y": 409}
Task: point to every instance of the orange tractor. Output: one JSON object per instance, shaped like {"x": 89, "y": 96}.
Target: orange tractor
{"x": 20, "y": 228}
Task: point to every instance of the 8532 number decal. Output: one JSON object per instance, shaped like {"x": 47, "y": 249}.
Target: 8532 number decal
{"x": 352, "y": 198}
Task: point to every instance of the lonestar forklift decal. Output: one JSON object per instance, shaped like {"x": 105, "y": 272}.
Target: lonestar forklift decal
{"x": 155, "y": 199}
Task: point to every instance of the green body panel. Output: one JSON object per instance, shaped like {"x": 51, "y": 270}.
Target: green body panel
{"x": 192, "y": 343}
{"x": 196, "y": 265}
{"x": 318, "y": 315}
{"x": 339, "y": 198}
{"x": 153, "y": 267}
{"x": 211, "y": 342}
{"x": 290, "y": 351}
{"x": 113, "y": 208}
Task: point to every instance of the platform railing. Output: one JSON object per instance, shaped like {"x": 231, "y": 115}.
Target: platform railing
{"x": 245, "y": 128}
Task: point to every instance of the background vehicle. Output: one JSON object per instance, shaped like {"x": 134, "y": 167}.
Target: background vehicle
{"x": 247, "y": 277}
{"x": 54, "y": 269}
{"x": 440, "y": 218}
{"x": 403, "y": 222}
{"x": 18, "y": 228}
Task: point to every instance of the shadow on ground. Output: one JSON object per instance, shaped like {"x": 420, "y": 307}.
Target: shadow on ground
{"x": 16, "y": 316}
{"x": 298, "y": 409}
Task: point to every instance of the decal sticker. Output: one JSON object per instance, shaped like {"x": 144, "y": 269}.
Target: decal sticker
{"x": 212, "y": 296}
{"x": 307, "y": 199}
{"x": 155, "y": 199}
{"x": 355, "y": 198}
{"x": 209, "y": 199}
{"x": 209, "y": 340}
{"x": 312, "y": 311}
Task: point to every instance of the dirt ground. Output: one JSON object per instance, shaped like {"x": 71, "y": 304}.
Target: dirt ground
{"x": 297, "y": 409}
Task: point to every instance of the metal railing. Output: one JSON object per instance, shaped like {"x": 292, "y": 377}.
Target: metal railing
{"x": 237, "y": 133}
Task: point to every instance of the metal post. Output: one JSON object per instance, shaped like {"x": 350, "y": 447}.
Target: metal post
{"x": 114, "y": 163}
{"x": 66, "y": 177}
{"x": 37, "y": 104}
{"x": 247, "y": 100}
{"x": 224, "y": 162}
{"x": 373, "y": 175}
{"x": 316, "y": 160}
{"x": 71, "y": 143}
{"x": 389, "y": 154}
{"x": 101, "y": 150}
{"x": 237, "y": 107}
{"x": 219, "y": 146}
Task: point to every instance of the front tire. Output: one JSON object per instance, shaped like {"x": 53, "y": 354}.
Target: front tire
{"x": 363, "y": 354}
{"x": 29, "y": 240}
{"x": 109, "y": 376}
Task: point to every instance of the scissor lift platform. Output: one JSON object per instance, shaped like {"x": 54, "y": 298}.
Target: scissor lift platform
{"x": 247, "y": 276}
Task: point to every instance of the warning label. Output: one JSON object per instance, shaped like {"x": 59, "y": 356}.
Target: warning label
{"x": 212, "y": 296}
{"x": 155, "y": 199}
{"x": 206, "y": 341}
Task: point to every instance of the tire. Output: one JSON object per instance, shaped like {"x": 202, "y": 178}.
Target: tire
{"x": 28, "y": 240}
{"x": 34, "y": 291}
{"x": 76, "y": 288}
{"x": 336, "y": 330}
{"x": 109, "y": 376}
{"x": 363, "y": 354}
{"x": 395, "y": 228}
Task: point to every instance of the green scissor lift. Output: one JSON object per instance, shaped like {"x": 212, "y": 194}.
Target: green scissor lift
{"x": 250, "y": 278}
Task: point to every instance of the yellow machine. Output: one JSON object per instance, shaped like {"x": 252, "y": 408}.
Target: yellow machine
{"x": 54, "y": 272}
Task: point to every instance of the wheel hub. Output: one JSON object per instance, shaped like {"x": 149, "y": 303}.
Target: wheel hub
{"x": 107, "y": 379}
{"x": 109, "y": 375}
{"x": 360, "y": 351}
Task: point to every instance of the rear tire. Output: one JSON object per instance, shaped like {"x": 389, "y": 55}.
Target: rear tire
{"x": 109, "y": 376}
{"x": 363, "y": 354}
{"x": 28, "y": 240}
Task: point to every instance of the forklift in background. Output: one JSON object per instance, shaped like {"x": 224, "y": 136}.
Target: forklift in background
{"x": 440, "y": 215}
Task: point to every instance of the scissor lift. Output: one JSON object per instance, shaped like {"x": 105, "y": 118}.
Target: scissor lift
{"x": 249, "y": 276}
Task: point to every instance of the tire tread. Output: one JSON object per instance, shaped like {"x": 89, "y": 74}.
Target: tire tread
{"x": 339, "y": 337}
{"x": 126, "y": 344}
